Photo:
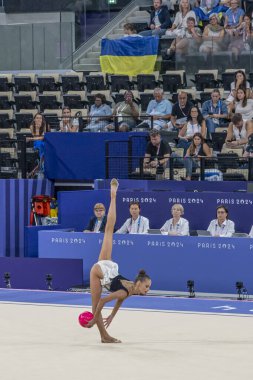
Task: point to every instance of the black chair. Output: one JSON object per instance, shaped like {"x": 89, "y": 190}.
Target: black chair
{"x": 23, "y": 120}
{"x": 218, "y": 139}
{"x": 5, "y": 121}
{"x": 49, "y": 102}
{"x": 169, "y": 136}
{"x": 146, "y": 82}
{"x": 71, "y": 83}
{"x": 227, "y": 79}
{"x": 118, "y": 98}
{"x": 144, "y": 100}
{"x": 204, "y": 80}
{"x": 47, "y": 84}
{"x": 24, "y": 102}
{"x": 5, "y": 103}
{"x": 73, "y": 101}
{"x": 251, "y": 79}
{"x": 227, "y": 161}
{"x": 171, "y": 82}
{"x": 24, "y": 84}
{"x": 95, "y": 83}
{"x": 5, "y": 85}
{"x": 120, "y": 82}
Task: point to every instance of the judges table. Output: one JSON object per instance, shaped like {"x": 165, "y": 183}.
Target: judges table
{"x": 215, "y": 264}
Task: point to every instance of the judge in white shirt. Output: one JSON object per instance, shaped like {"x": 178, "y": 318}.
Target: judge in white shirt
{"x": 137, "y": 224}
{"x": 221, "y": 226}
{"x": 176, "y": 226}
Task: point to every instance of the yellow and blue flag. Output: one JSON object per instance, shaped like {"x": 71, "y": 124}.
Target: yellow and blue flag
{"x": 129, "y": 55}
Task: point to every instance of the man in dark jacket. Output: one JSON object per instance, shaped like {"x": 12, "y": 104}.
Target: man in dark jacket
{"x": 159, "y": 20}
{"x": 97, "y": 223}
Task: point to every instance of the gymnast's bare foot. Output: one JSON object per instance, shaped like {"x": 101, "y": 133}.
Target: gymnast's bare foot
{"x": 114, "y": 187}
{"x": 109, "y": 339}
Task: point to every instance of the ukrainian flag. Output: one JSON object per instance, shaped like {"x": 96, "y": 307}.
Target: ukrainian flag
{"x": 129, "y": 55}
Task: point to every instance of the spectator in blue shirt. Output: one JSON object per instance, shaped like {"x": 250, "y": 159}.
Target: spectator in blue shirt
{"x": 233, "y": 17}
{"x": 100, "y": 114}
{"x": 215, "y": 112}
{"x": 159, "y": 20}
{"x": 160, "y": 110}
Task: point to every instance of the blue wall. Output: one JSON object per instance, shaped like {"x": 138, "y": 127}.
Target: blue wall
{"x": 215, "y": 264}
{"x": 15, "y": 206}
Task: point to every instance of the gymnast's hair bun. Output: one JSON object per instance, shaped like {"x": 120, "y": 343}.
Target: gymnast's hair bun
{"x": 142, "y": 273}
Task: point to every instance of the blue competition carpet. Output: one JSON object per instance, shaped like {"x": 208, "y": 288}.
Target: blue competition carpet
{"x": 152, "y": 303}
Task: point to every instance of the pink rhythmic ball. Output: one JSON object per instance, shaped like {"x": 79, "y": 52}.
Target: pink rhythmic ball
{"x": 84, "y": 318}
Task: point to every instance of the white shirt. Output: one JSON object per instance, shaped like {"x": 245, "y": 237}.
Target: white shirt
{"x": 181, "y": 228}
{"x": 138, "y": 226}
{"x": 226, "y": 229}
{"x": 97, "y": 225}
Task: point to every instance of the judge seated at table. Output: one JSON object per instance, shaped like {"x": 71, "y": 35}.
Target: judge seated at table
{"x": 98, "y": 221}
{"x": 137, "y": 224}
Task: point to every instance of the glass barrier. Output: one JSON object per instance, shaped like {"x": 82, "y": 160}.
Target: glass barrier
{"x": 192, "y": 55}
{"x": 42, "y": 46}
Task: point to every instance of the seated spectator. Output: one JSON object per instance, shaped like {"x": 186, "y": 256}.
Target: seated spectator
{"x": 249, "y": 147}
{"x": 97, "y": 223}
{"x": 222, "y": 226}
{"x": 195, "y": 124}
{"x": 215, "y": 112}
{"x": 188, "y": 41}
{"x": 159, "y": 20}
{"x": 238, "y": 132}
{"x": 212, "y": 36}
{"x": 38, "y": 128}
{"x": 242, "y": 105}
{"x": 130, "y": 31}
{"x": 233, "y": 18}
{"x": 239, "y": 82}
{"x": 242, "y": 38}
{"x": 127, "y": 113}
{"x": 196, "y": 150}
{"x": 180, "y": 23}
{"x": 180, "y": 112}
{"x": 176, "y": 226}
{"x": 137, "y": 224}
{"x": 99, "y": 115}
{"x": 157, "y": 153}
{"x": 159, "y": 109}
{"x": 68, "y": 123}
{"x": 207, "y": 7}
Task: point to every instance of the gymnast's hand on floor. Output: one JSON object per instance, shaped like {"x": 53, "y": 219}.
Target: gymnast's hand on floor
{"x": 107, "y": 321}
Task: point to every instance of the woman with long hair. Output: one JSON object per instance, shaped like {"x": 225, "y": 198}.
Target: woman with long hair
{"x": 195, "y": 124}
{"x": 242, "y": 104}
{"x": 105, "y": 273}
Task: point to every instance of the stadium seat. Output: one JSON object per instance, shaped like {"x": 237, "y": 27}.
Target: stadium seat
{"x": 95, "y": 82}
{"x": 145, "y": 98}
{"x": 24, "y": 118}
{"x": 206, "y": 79}
{"x": 6, "y": 100}
{"x": 120, "y": 82}
{"x": 48, "y": 82}
{"x": 50, "y": 100}
{"x": 146, "y": 82}
{"x": 72, "y": 81}
{"x": 6, "y": 119}
{"x": 25, "y": 100}
{"x": 25, "y": 82}
{"x": 75, "y": 99}
{"x": 6, "y": 83}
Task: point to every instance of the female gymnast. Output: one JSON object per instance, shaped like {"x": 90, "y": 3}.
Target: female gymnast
{"x": 105, "y": 273}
